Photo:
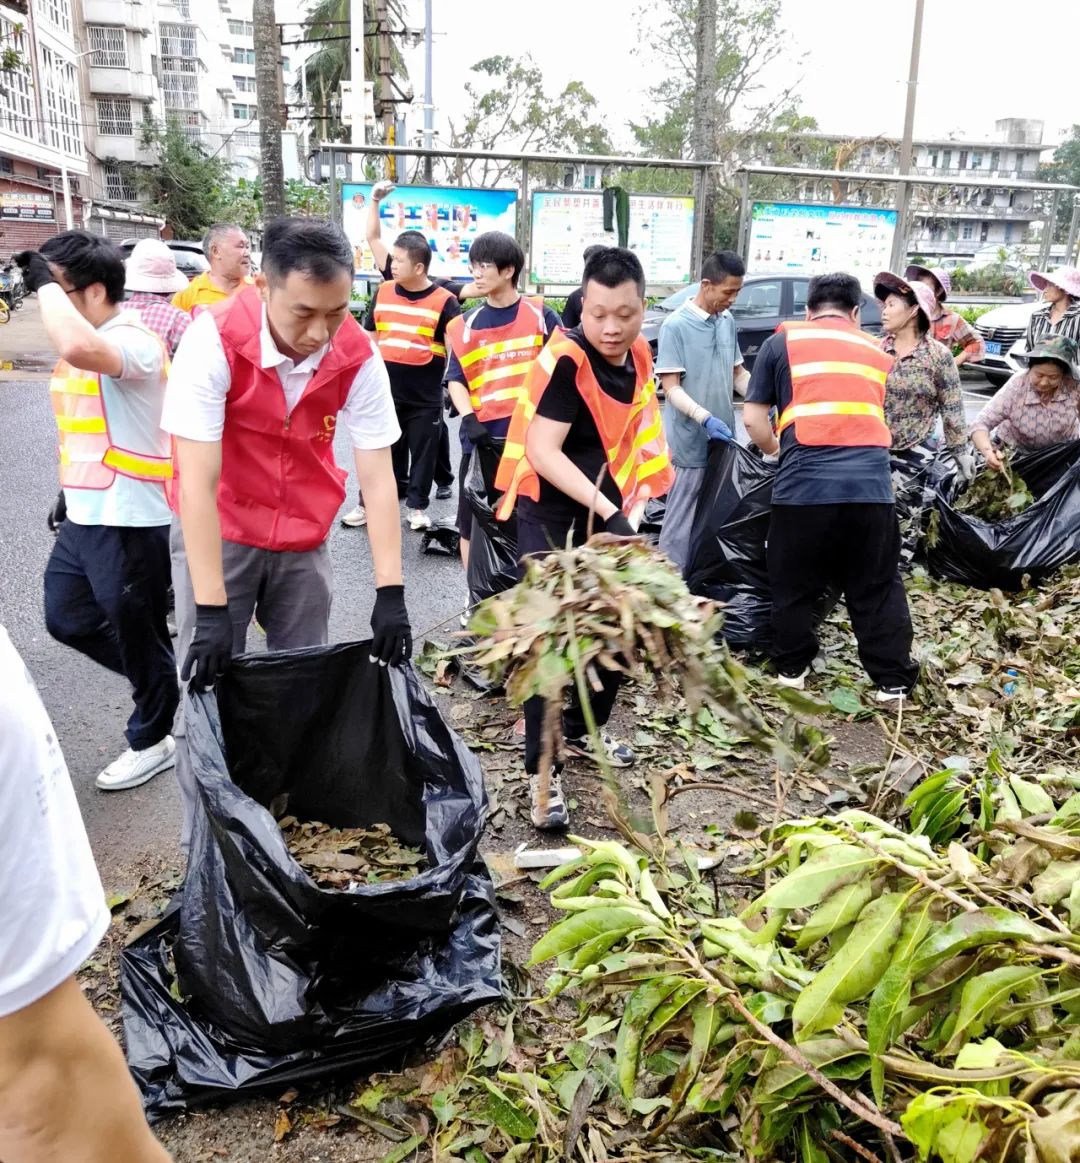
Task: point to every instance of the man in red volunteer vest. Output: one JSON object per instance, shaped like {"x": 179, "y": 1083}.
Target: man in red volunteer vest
{"x": 588, "y": 412}
{"x": 833, "y": 520}
{"x": 257, "y": 389}
{"x": 491, "y": 348}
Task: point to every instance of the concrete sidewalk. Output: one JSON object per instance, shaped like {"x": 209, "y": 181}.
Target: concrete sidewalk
{"x": 25, "y": 350}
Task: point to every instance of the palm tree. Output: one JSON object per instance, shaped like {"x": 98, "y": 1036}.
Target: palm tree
{"x": 328, "y": 66}
{"x": 268, "y": 97}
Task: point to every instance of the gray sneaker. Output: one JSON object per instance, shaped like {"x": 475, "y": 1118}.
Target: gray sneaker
{"x": 551, "y": 816}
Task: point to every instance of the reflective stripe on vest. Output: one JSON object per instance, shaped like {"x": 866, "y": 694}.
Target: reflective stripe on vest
{"x": 837, "y": 386}
{"x": 495, "y": 360}
{"x": 88, "y": 458}
{"x": 632, "y": 433}
{"x": 405, "y": 329}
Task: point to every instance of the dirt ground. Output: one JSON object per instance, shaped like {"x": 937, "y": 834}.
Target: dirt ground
{"x": 715, "y": 793}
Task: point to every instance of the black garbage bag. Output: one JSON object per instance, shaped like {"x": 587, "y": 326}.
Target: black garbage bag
{"x": 284, "y": 980}
{"x": 726, "y": 561}
{"x": 493, "y": 555}
{"x": 652, "y": 522}
{"x": 1036, "y": 542}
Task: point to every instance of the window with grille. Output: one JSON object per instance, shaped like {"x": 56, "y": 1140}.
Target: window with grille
{"x": 16, "y": 91}
{"x": 109, "y": 47}
{"x": 57, "y": 12}
{"x": 114, "y": 117}
{"x": 184, "y": 8}
{"x": 178, "y": 40}
{"x": 118, "y": 186}
{"x": 179, "y": 91}
{"x": 62, "y": 110}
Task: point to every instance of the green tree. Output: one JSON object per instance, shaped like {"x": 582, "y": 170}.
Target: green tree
{"x": 242, "y": 202}
{"x": 184, "y": 184}
{"x": 1064, "y": 168}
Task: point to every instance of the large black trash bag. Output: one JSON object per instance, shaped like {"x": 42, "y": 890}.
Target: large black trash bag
{"x": 493, "y": 555}
{"x": 726, "y": 561}
{"x": 1036, "y": 542}
{"x": 285, "y": 980}
{"x": 652, "y": 520}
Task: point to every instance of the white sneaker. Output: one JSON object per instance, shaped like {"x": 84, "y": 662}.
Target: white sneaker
{"x": 356, "y": 518}
{"x": 892, "y": 694}
{"x": 137, "y": 767}
{"x": 797, "y": 682}
{"x": 418, "y": 519}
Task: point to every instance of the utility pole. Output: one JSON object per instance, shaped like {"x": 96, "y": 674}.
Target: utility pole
{"x": 429, "y": 108}
{"x": 704, "y": 127}
{"x": 903, "y": 193}
{"x": 355, "y": 92}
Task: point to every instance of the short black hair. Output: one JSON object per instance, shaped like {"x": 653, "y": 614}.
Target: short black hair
{"x": 216, "y": 233}
{"x": 86, "y": 259}
{"x": 311, "y": 246}
{"x": 591, "y": 250}
{"x": 612, "y": 266}
{"x": 834, "y": 290}
{"x": 495, "y": 247}
{"x": 723, "y": 264}
{"x": 415, "y": 246}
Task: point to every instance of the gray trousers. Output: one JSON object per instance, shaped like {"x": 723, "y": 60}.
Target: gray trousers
{"x": 289, "y": 594}
{"x": 682, "y": 502}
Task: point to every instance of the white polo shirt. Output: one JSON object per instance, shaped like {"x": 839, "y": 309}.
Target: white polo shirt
{"x": 199, "y": 384}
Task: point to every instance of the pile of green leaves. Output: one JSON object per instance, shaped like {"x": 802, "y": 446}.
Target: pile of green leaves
{"x": 995, "y": 496}
{"x": 342, "y": 857}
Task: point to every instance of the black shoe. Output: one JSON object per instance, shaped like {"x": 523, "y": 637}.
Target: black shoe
{"x": 444, "y": 492}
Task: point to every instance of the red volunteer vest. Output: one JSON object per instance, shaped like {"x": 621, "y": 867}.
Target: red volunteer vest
{"x": 280, "y": 485}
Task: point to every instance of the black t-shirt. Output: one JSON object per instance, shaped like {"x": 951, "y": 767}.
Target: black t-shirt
{"x": 571, "y": 313}
{"x": 562, "y": 401}
{"x": 418, "y": 385}
{"x": 815, "y": 474}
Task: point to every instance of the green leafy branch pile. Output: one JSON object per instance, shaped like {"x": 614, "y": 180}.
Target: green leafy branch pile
{"x": 877, "y": 990}
{"x": 994, "y": 496}
{"x": 614, "y": 604}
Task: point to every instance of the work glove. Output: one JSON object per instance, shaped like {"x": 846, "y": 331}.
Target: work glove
{"x": 964, "y": 462}
{"x": 618, "y": 524}
{"x": 35, "y": 269}
{"x": 771, "y": 457}
{"x": 58, "y": 513}
{"x": 211, "y": 648}
{"x": 391, "y": 634}
{"x": 381, "y": 189}
{"x": 716, "y": 429}
{"x": 476, "y": 431}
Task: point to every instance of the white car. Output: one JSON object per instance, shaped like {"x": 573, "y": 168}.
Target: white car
{"x": 1003, "y": 330}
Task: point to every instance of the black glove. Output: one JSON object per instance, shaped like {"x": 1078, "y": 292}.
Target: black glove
{"x": 35, "y": 269}
{"x": 619, "y": 525}
{"x": 58, "y": 513}
{"x": 211, "y": 648}
{"x": 475, "y": 430}
{"x": 391, "y": 634}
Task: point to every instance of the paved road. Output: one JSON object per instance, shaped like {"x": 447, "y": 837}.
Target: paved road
{"x": 88, "y": 705}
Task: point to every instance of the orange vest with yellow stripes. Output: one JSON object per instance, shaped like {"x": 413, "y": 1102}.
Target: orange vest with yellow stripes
{"x": 88, "y": 457}
{"x": 495, "y": 360}
{"x": 405, "y": 328}
{"x": 632, "y": 434}
{"x": 837, "y": 385}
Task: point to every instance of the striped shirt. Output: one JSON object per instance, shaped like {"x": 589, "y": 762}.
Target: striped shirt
{"x": 955, "y": 331}
{"x": 1039, "y": 326}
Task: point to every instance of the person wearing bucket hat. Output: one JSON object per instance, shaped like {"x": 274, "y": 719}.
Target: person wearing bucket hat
{"x": 151, "y": 278}
{"x": 923, "y": 383}
{"x": 1060, "y": 310}
{"x": 947, "y": 327}
{"x": 1037, "y": 407}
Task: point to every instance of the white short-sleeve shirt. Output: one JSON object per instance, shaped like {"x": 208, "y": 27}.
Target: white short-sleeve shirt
{"x": 199, "y": 383}
{"x": 52, "y": 906}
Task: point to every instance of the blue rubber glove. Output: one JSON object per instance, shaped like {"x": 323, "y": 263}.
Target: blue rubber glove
{"x": 717, "y": 430}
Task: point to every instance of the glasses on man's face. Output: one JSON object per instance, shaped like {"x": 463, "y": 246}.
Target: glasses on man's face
{"x": 482, "y": 268}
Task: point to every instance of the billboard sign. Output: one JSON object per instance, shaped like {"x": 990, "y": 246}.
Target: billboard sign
{"x": 450, "y": 218}
{"x": 791, "y": 238}
{"x": 27, "y": 207}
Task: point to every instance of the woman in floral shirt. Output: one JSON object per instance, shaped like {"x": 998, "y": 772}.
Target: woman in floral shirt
{"x": 946, "y": 326}
{"x": 923, "y": 383}
{"x": 1037, "y": 407}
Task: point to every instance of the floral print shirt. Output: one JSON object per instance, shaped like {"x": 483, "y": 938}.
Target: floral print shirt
{"x": 920, "y": 387}
{"x": 1020, "y": 416}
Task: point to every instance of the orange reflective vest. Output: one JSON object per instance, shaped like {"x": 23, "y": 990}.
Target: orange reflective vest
{"x": 405, "y": 328}
{"x": 632, "y": 434}
{"x": 837, "y": 385}
{"x": 495, "y": 360}
{"x": 88, "y": 457}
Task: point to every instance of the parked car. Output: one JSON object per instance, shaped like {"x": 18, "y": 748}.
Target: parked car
{"x": 1002, "y": 330}
{"x": 764, "y": 302}
{"x": 190, "y": 259}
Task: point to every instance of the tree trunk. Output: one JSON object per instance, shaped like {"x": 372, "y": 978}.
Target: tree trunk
{"x": 268, "y": 93}
{"x": 704, "y": 127}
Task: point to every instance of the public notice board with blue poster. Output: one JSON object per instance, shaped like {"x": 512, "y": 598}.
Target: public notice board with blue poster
{"x": 448, "y": 217}
{"x": 791, "y": 238}
{"x": 565, "y": 222}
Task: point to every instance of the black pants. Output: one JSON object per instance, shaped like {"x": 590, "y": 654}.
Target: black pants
{"x": 444, "y": 466}
{"x": 857, "y": 549}
{"x": 415, "y": 452}
{"x": 106, "y": 595}
{"x": 537, "y": 535}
